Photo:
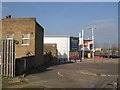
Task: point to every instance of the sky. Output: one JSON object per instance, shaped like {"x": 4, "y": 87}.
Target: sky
{"x": 69, "y": 18}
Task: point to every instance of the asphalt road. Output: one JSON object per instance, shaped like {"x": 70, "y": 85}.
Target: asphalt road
{"x": 87, "y": 74}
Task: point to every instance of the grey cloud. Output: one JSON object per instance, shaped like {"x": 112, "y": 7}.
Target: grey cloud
{"x": 106, "y": 30}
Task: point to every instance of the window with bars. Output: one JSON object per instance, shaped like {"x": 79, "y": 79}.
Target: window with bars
{"x": 26, "y": 39}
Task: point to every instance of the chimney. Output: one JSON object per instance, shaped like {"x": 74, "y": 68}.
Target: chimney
{"x": 8, "y": 16}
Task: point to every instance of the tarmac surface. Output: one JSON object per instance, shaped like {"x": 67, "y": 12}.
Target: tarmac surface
{"x": 102, "y": 73}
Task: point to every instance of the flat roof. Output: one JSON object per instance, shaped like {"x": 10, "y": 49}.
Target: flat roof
{"x": 87, "y": 39}
{"x": 58, "y": 36}
{"x": 8, "y": 19}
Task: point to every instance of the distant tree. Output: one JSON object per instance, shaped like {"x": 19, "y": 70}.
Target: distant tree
{"x": 114, "y": 48}
{"x": 105, "y": 45}
{"x": 96, "y": 45}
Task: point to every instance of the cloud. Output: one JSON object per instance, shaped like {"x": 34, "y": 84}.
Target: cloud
{"x": 105, "y": 24}
{"x": 101, "y": 20}
{"x": 106, "y": 30}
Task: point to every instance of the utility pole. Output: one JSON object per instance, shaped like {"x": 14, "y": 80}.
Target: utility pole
{"x": 82, "y": 44}
{"x": 93, "y": 41}
{"x": 79, "y": 41}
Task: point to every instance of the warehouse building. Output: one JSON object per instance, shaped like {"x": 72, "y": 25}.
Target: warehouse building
{"x": 68, "y": 46}
{"x": 65, "y": 45}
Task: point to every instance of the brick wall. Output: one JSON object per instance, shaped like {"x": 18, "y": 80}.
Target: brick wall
{"x": 24, "y": 65}
{"x": 18, "y": 26}
{"x": 51, "y": 48}
{"x": 50, "y": 52}
{"x": 39, "y": 34}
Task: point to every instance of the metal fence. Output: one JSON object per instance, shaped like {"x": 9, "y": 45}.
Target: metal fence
{"x": 8, "y": 58}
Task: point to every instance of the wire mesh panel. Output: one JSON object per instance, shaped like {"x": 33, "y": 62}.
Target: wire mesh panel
{"x": 8, "y": 58}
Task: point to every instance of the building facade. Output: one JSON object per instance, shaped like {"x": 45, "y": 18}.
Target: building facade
{"x": 51, "y": 48}
{"x": 28, "y": 36}
{"x": 65, "y": 44}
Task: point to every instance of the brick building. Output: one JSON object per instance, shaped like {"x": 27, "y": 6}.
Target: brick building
{"x": 51, "y": 48}
{"x": 28, "y": 35}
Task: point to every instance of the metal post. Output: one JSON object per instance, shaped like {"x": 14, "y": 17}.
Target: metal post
{"x": 4, "y": 56}
{"x": 82, "y": 44}
{"x": 13, "y": 56}
{"x": 79, "y": 40}
{"x": 4, "y": 49}
{"x": 1, "y": 57}
{"x": 7, "y": 56}
{"x": 12, "y": 59}
{"x": 93, "y": 41}
{"x": 79, "y": 46}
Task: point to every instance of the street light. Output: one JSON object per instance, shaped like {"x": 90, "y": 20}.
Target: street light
{"x": 93, "y": 40}
{"x": 81, "y": 42}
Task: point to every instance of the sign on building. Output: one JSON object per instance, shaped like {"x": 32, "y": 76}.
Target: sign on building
{"x": 74, "y": 41}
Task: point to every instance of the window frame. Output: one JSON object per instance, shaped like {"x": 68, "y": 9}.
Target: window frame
{"x": 22, "y": 40}
{"x": 10, "y": 37}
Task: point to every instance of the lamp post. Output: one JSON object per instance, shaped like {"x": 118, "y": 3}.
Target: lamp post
{"x": 81, "y": 43}
{"x": 80, "y": 46}
{"x": 93, "y": 41}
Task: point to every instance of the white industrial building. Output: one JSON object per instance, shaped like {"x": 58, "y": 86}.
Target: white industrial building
{"x": 64, "y": 44}
{"x": 68, "y": 44}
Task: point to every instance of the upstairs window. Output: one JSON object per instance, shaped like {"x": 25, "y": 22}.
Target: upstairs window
{"x": 26, "y": 39}
{"x": 9, "y": 36}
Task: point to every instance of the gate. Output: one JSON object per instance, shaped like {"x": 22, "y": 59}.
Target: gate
{"x": 8, "y": 58}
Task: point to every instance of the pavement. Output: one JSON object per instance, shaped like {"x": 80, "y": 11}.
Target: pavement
{"x": 97, "y": 73}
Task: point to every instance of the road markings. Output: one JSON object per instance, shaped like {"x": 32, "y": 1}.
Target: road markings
{"x": 60, "y": 74}
{"x": 94, "y": 74}
{"x": 103, "y": 75}
{"x": 109, "y": 75}
{"x": 88, "y": 73}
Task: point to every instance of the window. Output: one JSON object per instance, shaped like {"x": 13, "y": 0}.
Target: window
{"x": 9, "y": 36}
{"x": 26, "y": 39}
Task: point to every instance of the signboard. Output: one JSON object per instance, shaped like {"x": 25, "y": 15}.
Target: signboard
{"x": 74, "y": 43}
{"x": 85, "y": 43}
{"x": 89, "y": 55}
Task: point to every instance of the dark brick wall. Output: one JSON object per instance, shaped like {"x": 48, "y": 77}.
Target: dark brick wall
{"x": 50, "y": 52}
{"x": 24, "y": 65}
{"x": 39, "y": 34}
